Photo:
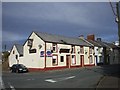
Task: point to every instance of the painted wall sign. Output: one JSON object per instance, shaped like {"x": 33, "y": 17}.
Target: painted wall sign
{"x": 48, "y": 54}
{"x": 42, "y": 54}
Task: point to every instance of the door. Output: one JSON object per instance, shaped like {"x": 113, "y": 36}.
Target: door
{"x": 68, "y": 61}
{"x": 96, "y": 60}
{"x": 82, "y": 60}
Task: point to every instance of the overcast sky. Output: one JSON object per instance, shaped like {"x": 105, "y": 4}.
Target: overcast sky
{"x": 69, "y": 19}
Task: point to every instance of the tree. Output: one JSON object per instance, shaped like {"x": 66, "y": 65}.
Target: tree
{"x": 5, "y": 56}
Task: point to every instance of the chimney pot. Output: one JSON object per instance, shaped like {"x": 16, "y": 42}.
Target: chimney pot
{"x": 98, "y": 39}
{"x": 91, "y": 37}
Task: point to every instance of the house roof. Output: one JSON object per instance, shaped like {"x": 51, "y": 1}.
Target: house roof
{"x": 19, "y": 48}
{"x": 106, "y": 44}
{"x": 102, "y": 44}
{"x": 94, "y": 43}
{"x": 61, "y": 39}
{"x": 111, "y": 45}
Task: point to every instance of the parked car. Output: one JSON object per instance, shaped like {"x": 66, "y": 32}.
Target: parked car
{"x": 18, "y": 68}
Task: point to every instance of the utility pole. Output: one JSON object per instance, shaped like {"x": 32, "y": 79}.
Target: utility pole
{"x": 118, "y": 19}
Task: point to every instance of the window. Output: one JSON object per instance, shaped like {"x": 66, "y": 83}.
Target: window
{"x": 32, "y": 50}
{"x": 54, "y": 60}
{"x": 73, "y": 59}
{"x": 20, "y": 55}
{"x": 91, "y": 60}
{"x": 16, "y": 56}
{"x": 13, "y": 52}
{"x": 90, "y": 50}
{"x": 64, "y": 50}
{"x": 62, "y": 58}
{"x": 54, "y": 47}
{"x": 81, "y": 50}
{"x": 73, "y": 49}
{"x": 30, "y": 42}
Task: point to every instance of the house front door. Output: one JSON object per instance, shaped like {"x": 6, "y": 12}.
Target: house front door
{"x": 82, "y": 60}
{"x": 68, "y": 61}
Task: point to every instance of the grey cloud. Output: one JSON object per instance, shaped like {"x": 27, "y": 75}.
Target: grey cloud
{"x": 69, "y": 19}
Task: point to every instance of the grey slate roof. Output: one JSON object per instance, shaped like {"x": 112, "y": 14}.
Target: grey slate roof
{"x": 19, "y": 48}
{"x": 94, "y": 43}
{"x": 102, "y": 44}
{"x": 107, "y": 45}
{"x": 61, "y": 39}
{"x": 111, "y": 45}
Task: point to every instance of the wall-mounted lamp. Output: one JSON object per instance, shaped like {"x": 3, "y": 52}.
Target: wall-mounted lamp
{"x": 40, "y": 46}
{"x": 86, "y": 52}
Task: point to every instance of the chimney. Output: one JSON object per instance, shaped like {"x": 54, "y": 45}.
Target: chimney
{"x": 99, "y": 39}
{"x": 91, "y": 37}
{"x": 81, "y": 37}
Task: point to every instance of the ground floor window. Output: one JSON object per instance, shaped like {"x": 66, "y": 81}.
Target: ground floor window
{"x": 16, "y": 56}
{"x": 73, "y": 59}
{"x": 62, "y": 58}
{"x": 91, "y": 59}
{"x": 55, "y": 60}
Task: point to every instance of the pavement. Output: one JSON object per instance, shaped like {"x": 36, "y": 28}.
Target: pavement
{"x": 110, "y": 81}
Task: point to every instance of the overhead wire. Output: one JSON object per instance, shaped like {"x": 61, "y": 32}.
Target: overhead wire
{"x": 112, "y": 8}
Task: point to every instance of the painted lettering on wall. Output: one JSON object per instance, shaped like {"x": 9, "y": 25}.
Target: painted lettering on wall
{"x": 48, "y": 53}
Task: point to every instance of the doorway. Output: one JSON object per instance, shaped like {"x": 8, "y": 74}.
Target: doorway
{"x": 68, "y": 61}
{"x": 82, "y": 60}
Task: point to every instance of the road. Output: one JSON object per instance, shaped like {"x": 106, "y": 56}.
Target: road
{"x": 87, "y": 77}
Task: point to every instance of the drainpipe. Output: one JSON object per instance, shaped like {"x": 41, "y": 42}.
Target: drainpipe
{"x": 45, "y": 55}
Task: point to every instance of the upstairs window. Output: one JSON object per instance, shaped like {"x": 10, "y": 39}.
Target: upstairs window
{"x": 54, "y": 47}
{"x": 81, "y": 50}
{"x": 32, "y": 50}
{"x": 30, "y": 42}
{"x": 13, "y": 52}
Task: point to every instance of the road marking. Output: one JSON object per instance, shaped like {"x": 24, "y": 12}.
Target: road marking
{"x": 69, "y": 77}
{"x": 50, "y": 80}
{"x": 11, "y": 87}
{"x": 59, "y": 79}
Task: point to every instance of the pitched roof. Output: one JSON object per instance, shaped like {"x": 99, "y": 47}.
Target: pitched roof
{"x": 94, "y": 43}
{"x": 61, "y": 39}
{"x": 19, "y": 48}
{"x": 106, "y": 44}
{"x": 111, "y": 45}
{"x": 102, "y": 44}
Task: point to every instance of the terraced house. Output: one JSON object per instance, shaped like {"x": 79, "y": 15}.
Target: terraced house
{"x": 43, "y": 51}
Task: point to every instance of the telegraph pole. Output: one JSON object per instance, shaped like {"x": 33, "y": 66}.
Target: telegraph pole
{"x": 118, "y": 19}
